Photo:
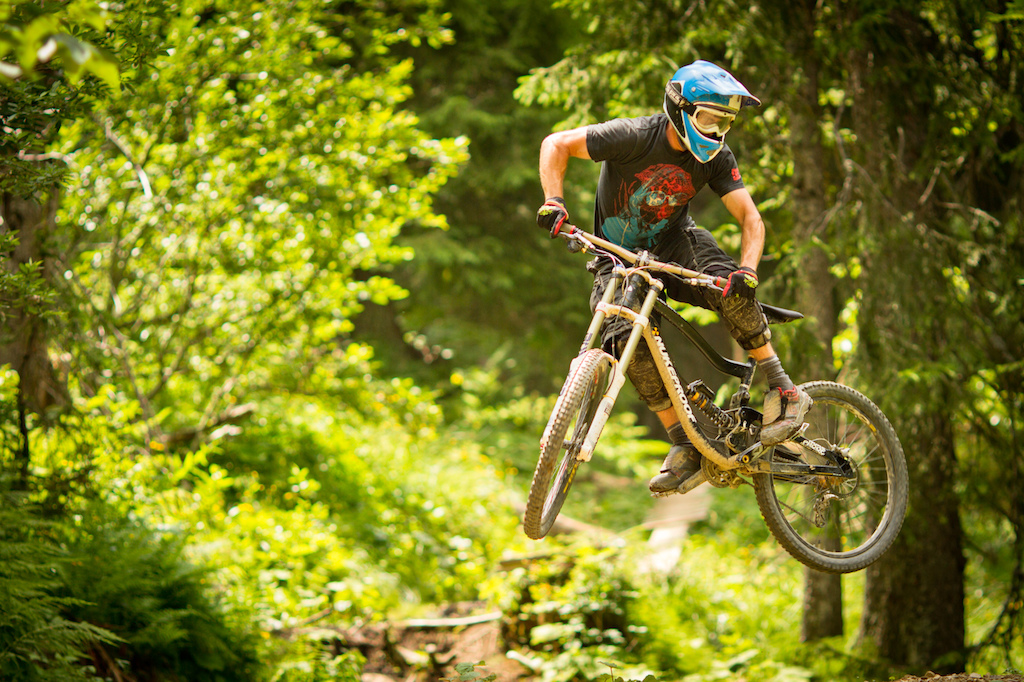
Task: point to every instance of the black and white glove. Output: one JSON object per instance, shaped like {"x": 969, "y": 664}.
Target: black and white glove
{"x": 552, "y": 215}
{"x": 742, "y": 283}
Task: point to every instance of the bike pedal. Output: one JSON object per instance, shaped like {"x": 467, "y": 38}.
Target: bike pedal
{"x": 691, "y": 483}
{"x": 684, "y": 487}
{"x": 797, "y": 436}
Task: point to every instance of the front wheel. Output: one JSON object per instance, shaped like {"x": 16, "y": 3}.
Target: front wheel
{"x": 571, "y": 419}
{"x": 838, "y": 524}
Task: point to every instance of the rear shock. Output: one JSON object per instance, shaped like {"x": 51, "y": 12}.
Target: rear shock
{"x": 701, "y": 395}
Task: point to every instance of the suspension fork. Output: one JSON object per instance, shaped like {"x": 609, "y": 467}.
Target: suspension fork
{"x": 641, "y": 323}
{"x": 593, "y": 336}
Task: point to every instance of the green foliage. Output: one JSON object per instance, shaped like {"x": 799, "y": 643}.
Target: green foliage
{"x": 733, "y": 519}
{"x": 414, "y": 502}
{"x": 38, "y": 640}
{"x": 122, "y": 593}
{"x": 265, "y": 178}
{"x": 491, "y": 252}
{"x": 363, "y": 516}
{"x": 21, "y": 289}
{"x": 508, "y": 432}
{"x": 467, "y": 673}
{"x": 33, "y": 34}
{"x": 573, "y": 613}
{"x": 139, "y": 585}
{"x": 323, "y": 667}
{"x": 270, "y": 166}
{"x": 727, "y": 611}
{"x": 32, "y": 112}
{"x": 380, "y": 520}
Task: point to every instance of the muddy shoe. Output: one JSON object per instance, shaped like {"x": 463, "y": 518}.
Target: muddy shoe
{"x": 683, "y": 461}
{"x": 784, "y": 413}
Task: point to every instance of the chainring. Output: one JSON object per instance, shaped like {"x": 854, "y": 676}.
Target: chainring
{"x": 719, "y": 477}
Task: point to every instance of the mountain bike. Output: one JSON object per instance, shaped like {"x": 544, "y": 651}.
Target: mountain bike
{"x": 834, "y": 494}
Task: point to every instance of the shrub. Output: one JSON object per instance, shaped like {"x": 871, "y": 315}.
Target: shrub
{"x": 137, "y": 583}
{"x": 37, "y": 640}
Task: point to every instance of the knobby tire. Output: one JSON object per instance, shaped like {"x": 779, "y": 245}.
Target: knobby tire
{"x": 571, "y": 418}
{"x": 833, "y": 524}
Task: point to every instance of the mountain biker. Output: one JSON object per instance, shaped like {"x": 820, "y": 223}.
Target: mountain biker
{"x": 652, "y": 167}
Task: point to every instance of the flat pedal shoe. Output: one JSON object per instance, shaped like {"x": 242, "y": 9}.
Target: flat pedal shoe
{"x": 682, "y": 462}
{"x": 784, "y": 413}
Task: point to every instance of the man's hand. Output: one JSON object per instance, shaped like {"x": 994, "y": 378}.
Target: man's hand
{"x": 552, "y": 215}
{"x": 741, "y": 283}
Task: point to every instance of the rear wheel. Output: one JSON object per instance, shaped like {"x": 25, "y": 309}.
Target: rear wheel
{"x": 570, "y": 421}
{"x": 831, "y": 523}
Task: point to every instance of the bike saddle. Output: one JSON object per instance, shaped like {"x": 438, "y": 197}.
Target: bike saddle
{"x": 777, "y": 315}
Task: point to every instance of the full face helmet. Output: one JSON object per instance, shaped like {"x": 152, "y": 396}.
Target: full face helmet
{"x": 701, "y": 101}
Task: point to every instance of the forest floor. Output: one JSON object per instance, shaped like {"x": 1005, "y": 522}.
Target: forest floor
{"x": 962, "y": 677}
{"x": 425, "y": 651}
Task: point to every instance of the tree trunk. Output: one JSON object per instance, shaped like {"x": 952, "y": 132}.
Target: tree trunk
{"x": 914, "y": 600}
{"x": 823, "y": 602}
{"x": 23, "y": 342}
{"x": 823, "y": 592}
{"x": 914, "y": 596}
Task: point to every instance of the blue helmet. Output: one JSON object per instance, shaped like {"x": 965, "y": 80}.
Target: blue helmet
{"x": 701, "y": 101}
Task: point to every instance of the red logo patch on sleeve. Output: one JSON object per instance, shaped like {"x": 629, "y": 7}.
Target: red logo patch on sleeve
{"x": 736, "y": 174}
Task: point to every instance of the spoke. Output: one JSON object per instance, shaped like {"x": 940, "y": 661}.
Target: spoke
{"x": 795, "y": 511}
{"x": 857, "y": 503}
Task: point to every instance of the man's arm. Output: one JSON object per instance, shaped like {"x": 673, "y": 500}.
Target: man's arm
{"x": 741, "y": 206}
{"x": 555, "y": 151}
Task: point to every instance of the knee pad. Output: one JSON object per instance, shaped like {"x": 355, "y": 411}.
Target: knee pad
{"x": 746, "y": 322}
{"x": 643, "y": 374}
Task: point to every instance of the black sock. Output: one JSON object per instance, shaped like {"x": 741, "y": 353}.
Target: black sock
{"x": 773, "y": 372}
{"x": 677, "y": 435}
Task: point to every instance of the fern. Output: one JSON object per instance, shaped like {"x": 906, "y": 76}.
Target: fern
{"x": 37, "y": 642}
{"x": 139, "y": 584}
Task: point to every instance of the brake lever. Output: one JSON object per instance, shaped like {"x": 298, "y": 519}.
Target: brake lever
{"x": 573, "y": 242}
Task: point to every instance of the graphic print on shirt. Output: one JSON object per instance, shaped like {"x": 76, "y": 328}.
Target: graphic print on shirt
{"x": 648, "y": 205}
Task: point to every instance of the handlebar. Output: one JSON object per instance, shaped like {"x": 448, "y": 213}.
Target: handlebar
{"x": 586, "y": 242}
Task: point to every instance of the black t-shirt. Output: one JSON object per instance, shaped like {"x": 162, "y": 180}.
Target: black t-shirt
{"x": 645, "y": 185}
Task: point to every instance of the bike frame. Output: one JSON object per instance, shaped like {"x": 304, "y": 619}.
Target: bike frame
{"x": 745, "y": 425}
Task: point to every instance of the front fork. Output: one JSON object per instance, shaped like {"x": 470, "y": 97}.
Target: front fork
{"x": 641, "y": 323}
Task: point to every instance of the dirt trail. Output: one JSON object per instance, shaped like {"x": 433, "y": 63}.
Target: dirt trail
{"x": 394, "y": 654}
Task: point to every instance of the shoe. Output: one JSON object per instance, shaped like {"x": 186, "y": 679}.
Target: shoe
{"x": 784, "y": 413}
{"x": 683, "y": 461}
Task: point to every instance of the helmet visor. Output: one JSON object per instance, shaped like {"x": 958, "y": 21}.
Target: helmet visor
{"x": 711, "y": 121}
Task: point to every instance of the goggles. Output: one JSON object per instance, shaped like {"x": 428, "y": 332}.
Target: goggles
{"x": 711, "y": 121}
